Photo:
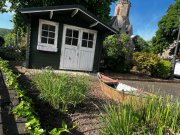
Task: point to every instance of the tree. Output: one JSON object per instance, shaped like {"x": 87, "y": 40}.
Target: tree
{"x": 2, "y": 6}
{"x": 167, "y": 29}
{"x": 1, "y": 41}
{"x": 116, "y": 55}
{"x": 4, "y": 32}
{"x": 10, "y": 39}
{"x": 140, "y": 44}
{"x": 101, "y": 8}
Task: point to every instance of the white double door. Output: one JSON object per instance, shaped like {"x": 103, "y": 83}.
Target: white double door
{"x": 78, "y": 48}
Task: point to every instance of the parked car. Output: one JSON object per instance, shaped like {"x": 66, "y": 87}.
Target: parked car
{"x": 177, "y": 68}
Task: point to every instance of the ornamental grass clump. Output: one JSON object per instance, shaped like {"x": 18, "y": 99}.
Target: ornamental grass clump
{"x": 61, "y": 90}
{"x": 158, "y": 116}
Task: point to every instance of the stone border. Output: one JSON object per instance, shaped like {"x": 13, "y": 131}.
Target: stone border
{"x": 148, "y": 80}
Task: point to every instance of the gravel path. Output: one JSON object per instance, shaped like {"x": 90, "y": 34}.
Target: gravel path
{"x": 87, "y": 117}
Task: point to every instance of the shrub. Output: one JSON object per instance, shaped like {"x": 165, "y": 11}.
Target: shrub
{"x": 12, "y": 53}
{"x": 151, "y": 64}
{"x": 2, "y": 41}
{"x": 116, "y": 56}
{"x": 145, "y": 62}
{"x": 62, "y": 90}
{"x": 163, "y": 69}
{"x": 157, "y": 116}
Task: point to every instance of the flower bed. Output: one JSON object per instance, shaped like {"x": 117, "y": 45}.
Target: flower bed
{"x": 25, "y": 109}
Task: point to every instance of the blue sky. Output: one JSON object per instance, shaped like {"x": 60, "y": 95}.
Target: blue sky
{"x": 144, "y": 16}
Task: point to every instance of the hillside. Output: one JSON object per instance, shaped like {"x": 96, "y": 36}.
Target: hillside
{"x": 4, "y": 32}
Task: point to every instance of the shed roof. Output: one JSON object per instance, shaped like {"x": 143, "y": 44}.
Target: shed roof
{"x": 77, "y": 9}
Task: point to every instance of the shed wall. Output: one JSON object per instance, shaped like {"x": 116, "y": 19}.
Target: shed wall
{"x": 40, "y": 59}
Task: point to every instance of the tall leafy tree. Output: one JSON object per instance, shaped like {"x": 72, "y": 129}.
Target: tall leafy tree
{"x": 100, "y": 8}
{"x": 116, "y": 53}
{"x": 2, "y": 5}
{"x": 140, "y": 44}
{"x": 168, "y": 28}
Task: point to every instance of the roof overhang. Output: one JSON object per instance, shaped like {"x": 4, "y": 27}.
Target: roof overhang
{"x": 74, "y": 8}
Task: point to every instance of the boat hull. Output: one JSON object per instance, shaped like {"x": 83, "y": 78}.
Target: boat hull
{"x": 121, "y": 96}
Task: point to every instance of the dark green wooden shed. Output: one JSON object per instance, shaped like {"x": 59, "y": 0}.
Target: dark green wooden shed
{"x": 64, "y": 37}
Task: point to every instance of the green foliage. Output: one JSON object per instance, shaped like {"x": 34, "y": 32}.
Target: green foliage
{"x": 163, "y": 69}
{"x": 4, "y": 32}
{"x": 13, "y": 53}
{"x": 165, "y": 34}
{"x": 2, "y": 41}
{"x": 116, "y": 53}
{"x": 151, "y": 64}
{"x": 59, "y": 131}
{"x": 145, "y": 62}
{"x": 25, "y": 109}
{"x": 140, "y": 44}
{"x": 62, "y": 90}
{"x": 157, "y": 116}
{"x": 10, "y": 78}
{"x": 2, "y": 6}
{"x": 99, "y": 8}
{"x": 10, "y": 39}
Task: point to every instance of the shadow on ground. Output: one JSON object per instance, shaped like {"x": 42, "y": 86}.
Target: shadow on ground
{"x": 9, "y": 125}
{"x": 50, "y": 118}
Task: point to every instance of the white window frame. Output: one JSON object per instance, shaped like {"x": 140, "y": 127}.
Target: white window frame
{"x": 44, "y": 46}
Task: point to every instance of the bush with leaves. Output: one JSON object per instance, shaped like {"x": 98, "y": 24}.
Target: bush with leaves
{"x": 13, "y": 53}
{"x": 145, "y": 62}
{"x": 2, "y": 41}
{"x": 163, "y": 69}
{"x": 151, "y": 64}
{"x": 116, "y": 55}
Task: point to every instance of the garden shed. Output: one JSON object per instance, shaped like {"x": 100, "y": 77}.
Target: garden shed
{"x": 64, "y": 37}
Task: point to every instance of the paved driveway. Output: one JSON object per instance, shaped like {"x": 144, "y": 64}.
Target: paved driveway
{"x": 163, "y": 88}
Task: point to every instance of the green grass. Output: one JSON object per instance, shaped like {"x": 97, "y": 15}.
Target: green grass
{"x": 157, "y": 116}
{"x": 61, "y": 90}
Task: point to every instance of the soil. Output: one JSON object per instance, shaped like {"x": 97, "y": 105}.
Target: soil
{"x": 85, "y": 115}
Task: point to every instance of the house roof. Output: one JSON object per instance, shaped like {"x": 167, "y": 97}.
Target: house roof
{"x": 76, "y": 9}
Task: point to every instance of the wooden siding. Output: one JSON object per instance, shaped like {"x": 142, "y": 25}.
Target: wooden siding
{"x": 41, "y": 59}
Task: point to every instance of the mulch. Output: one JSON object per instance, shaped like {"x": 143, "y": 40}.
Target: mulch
{"x": 85, "y": 115}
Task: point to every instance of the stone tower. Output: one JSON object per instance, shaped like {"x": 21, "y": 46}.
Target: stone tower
{"x": 122, "y": 8}
{"x": 120, "y": 21}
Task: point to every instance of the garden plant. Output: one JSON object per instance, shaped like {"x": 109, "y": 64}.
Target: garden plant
{"x": 152, "y": 64}
{"x": 25, "y": 109}
{"x": 157, "y": 116}
{"x": 61, "y": 90}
